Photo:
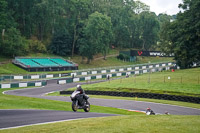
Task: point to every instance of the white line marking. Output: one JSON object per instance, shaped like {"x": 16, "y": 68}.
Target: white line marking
{"x": 48, "y": 93}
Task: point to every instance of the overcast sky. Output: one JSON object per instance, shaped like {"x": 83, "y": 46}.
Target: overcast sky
{"x": 163, "y": 6}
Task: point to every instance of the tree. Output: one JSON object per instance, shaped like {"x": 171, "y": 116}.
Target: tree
{"x": 3, "y": 20}
{"x": 97, "y": 36}
{"x": 61, "y": 43}
{"x": 183, "y": 35}
{"x": 40, "y": 20}
{"x": 7, "y": 25}
{"x": 13, "y": 44}
{"x": 164, "y": 19}
{"x": 22, "y": 12}
{"x": 78, "y": 11}
{"x": 149, "y": 28}
{"x": 36, "y": 46}
{"x": 164, "y": 43}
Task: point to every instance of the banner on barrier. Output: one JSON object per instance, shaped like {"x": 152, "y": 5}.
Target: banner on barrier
{"x": 149, "y": 53}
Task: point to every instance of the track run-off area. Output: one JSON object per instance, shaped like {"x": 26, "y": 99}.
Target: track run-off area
{"x": 18, "y": 118}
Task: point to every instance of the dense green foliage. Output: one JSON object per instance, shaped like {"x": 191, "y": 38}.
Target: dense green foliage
{"x": 182, "y": 37}
{"x": 123, "y": 57}
{"x": 97, "y": 36}
{"x": 89, "y": 27}
{"x": 60, "y": 44}
{"x": 84, "y": 27}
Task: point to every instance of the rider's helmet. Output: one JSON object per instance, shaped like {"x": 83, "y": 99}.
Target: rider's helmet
{"x": 78, "y": 86}
{"x": 148, "y": 108}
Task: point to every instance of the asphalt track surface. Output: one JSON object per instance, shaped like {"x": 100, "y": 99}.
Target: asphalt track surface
{"x": 19, "y": 118}
{"x": 14, "y": 118}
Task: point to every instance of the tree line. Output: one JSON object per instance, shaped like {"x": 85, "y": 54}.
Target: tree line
{"x": 83, "y": 27}
{"x": 182, "y": 37}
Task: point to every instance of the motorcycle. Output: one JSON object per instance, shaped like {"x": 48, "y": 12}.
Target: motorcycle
{"x": 149, "y": 112}
{"x": 79, "y": 101}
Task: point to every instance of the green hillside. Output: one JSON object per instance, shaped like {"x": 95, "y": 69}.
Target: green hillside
{"x": 181, "y": 82}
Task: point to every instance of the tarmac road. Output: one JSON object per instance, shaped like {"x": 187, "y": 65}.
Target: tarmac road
{"x": 19, "y": 118}
{"x": 34, "y": 118}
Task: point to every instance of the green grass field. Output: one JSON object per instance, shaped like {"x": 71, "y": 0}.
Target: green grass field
{"x": 181, "y": 82}
{"x": 120, "y": 124}
{"x": 132, "y": 122}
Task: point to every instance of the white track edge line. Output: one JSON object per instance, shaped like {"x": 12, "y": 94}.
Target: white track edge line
{"x": 48, "y": 93}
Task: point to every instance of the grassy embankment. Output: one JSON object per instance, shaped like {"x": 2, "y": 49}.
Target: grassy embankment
{"x": 6, "y": 66}
{"x": 181, "y": 82}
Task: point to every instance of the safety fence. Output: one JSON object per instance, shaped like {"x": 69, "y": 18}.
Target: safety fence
{"x": 141, "y": 95}
{"x": 118, "y": 68}
{"x": 152, "y": 66}
{"x": 23, "y": 84}
{"x": 28, "y": 77}
{"x": 100, "y": 74}
{"x": 90, "y": 74}
{"x": 35, "y": 76}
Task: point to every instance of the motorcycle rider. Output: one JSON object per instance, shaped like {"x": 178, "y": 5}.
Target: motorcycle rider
{"x": 79, "y": 88}
{"x": 149, "y": 111}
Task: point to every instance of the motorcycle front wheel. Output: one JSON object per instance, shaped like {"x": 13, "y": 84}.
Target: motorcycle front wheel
{"x": 87, "y": 109}
{"x": 74, "y": 106}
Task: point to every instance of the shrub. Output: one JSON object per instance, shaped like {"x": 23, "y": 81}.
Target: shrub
{"x": 123, "y": 57}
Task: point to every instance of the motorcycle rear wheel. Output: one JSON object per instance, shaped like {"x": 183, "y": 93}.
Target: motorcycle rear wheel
{"x": 74, "y": 107}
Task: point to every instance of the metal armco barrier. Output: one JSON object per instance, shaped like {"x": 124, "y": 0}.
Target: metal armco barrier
{"x": 131, "y": 70}
{"x": 142, "y": 95}
{"x": 35, "y": 76}
{"x": 23, "y": 84}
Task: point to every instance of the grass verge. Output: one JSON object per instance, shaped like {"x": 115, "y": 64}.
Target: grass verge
{"x": 181, "y": 82}
{"x": 120, "y": 124}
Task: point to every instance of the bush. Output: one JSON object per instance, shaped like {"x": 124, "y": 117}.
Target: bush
{"x": 13, "y": 43}
{"x": 37, "y": 46}
{"x": 61, "y": 43}
{"x": 123, "y": 57}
